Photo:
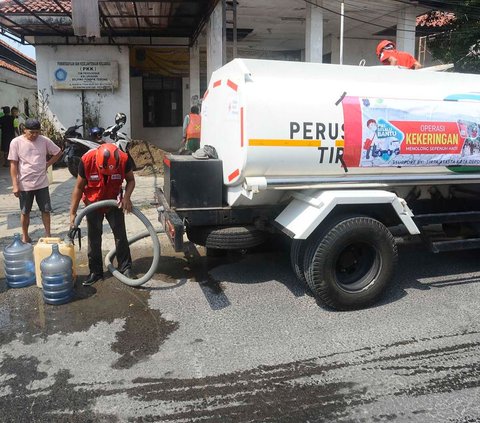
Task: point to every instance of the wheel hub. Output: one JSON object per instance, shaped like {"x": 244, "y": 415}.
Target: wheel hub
{"x": 356, "y": 266}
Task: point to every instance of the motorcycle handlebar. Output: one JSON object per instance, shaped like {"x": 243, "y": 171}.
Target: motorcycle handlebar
{"x": 71, "y": 130}
{"x": 111, "y": 131}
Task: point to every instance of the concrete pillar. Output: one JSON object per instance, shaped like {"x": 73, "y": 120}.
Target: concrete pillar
{"x": 194, "y": 75}
{"x": 214, "y": 40}
{"x": 406, "y": 25}
{"x": 314, "y": 33}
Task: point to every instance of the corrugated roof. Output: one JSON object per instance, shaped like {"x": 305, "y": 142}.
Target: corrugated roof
{"x": 120, "y": 18}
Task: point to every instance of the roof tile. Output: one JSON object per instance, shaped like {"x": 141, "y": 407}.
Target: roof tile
{"x": 18, "y": 52}
{"x": 435, "y": 19}
{"x": 16, "y": 69}
{"x": 45, "y": 6}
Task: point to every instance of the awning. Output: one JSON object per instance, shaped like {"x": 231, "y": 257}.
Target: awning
{"x": 155, "y": 18}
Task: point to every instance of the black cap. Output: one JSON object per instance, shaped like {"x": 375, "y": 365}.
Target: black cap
{"x": 32, "y": 124}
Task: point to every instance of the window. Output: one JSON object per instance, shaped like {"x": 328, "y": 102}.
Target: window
{"x": 162, "y": 101}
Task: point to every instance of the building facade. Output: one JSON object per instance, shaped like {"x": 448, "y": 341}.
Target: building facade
{"x": 18, "y": 82}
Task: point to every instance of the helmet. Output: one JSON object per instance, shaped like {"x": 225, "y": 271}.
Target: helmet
{"x": 96, "y": 131}
{"x": 382, "y": 44}
{"x": 108, "y": 159}
{"x": 120, "y": 118}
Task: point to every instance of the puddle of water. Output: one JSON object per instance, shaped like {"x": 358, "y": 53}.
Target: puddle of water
{"x": 24, "y": 315}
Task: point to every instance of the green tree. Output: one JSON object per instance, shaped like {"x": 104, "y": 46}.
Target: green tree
{"x": 460, "y": 42}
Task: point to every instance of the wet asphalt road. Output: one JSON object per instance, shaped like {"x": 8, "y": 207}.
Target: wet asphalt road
{"x": 238, "y": 339}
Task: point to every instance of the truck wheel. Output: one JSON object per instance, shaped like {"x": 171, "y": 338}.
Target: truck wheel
{"x": 226, "y": 238}
{"x": 297, "y": 255}
{"x": 351, "y": 265}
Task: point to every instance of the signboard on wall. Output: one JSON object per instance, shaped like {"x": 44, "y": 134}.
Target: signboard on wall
{"x": 85, "y": 75}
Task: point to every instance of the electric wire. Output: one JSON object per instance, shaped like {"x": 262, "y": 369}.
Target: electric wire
{"x": 363, "y": 21}
{"x": 314, "y": 3}
{"x": 349, "y": 17}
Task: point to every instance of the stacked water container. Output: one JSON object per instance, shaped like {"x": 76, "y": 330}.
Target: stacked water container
{"x": 57, "y": 277}
{"x": 19, "y": 264}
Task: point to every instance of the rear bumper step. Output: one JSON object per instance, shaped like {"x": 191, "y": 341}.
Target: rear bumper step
{"x": 171, "y": 222}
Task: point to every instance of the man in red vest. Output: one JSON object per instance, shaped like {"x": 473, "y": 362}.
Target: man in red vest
{"x": 191, "y": 130}
{"x": 389, "y": 55}
{"x": 100, "y": 176}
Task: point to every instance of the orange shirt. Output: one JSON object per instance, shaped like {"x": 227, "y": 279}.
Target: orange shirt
{"x": 403, "y": 58}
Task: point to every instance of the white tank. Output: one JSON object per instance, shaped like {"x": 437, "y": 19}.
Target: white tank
{"x": 295, "y": 119}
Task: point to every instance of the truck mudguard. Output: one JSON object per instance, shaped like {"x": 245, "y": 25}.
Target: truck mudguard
{"x": 308, "y": 210}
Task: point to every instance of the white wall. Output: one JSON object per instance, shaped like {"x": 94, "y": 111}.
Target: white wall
{"x": 15, "y": 88}
{"x": 354, "y": 51}
{"x": 65, "y": 105}
{"x": 168, "y": 138}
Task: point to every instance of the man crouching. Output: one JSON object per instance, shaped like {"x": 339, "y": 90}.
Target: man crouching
{"x": 101, "y": 173}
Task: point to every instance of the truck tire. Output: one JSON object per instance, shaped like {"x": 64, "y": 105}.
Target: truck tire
{"x": 226, "y": 238}
{"x": 350, "y": 266}
{"x": 297, "y": 256}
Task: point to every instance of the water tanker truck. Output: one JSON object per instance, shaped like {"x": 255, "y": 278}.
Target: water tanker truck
{"x": 332, "y": 157}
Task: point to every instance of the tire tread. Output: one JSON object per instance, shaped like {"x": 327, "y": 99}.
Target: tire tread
{"x": 318, "y": 248}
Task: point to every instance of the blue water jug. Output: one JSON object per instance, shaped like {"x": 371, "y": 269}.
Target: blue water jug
{"x": 19, "y": 264}
{"x": 57, "y": 278}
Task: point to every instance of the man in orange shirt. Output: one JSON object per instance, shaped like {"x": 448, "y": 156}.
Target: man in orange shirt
{"x": 191, "y": 130}
{"x": 388, "y": 55}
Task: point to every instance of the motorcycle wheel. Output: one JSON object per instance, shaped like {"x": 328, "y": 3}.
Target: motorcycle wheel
{"x": 72, "y": 164}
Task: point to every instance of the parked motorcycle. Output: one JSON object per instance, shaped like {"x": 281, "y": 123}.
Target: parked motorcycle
{"x": 121, "y": 139}
{"x": 76, "y": 146}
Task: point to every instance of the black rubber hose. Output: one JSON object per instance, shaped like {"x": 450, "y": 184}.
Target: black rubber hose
{"x": 108, "y": 258}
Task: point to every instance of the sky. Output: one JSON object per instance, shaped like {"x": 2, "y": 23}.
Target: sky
{"x": 27, "y": 50}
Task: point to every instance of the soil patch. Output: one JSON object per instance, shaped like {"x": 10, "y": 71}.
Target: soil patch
{"x": 148, "y": 157}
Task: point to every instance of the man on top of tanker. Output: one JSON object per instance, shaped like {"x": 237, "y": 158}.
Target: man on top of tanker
{"x": 389, "y": 55}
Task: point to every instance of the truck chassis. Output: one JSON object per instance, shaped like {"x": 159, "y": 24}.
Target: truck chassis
{"x": 342, "y": 245}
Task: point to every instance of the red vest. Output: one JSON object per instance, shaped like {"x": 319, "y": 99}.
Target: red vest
{"x": 193, "y": 128}
{"x": 98, "y": 186}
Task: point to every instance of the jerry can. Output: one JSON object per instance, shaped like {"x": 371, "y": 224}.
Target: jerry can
{"x": 19, "y": 265}
{"x": 57, "y": 277}
{"x": 43, "y": 249}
